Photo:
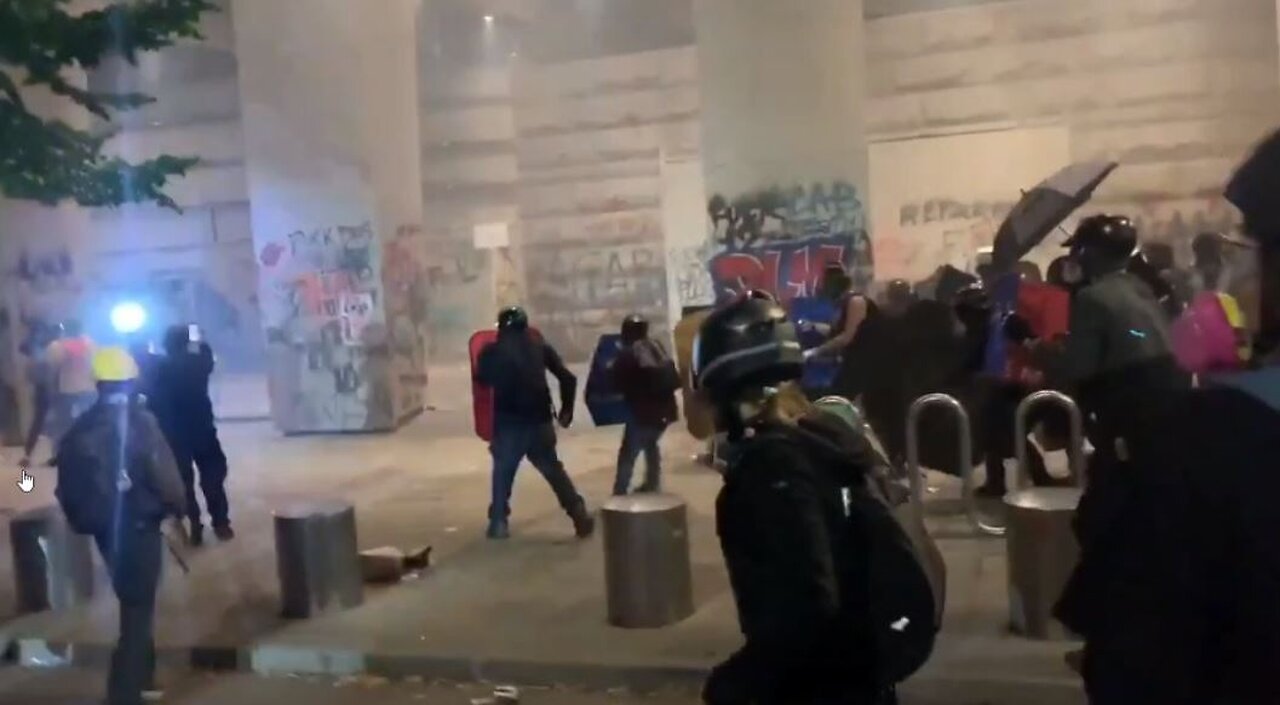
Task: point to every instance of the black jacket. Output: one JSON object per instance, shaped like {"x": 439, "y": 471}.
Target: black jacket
{"x": 179, "y": 390}
{"x": 785, "y": 539}
{"x": 516, "y": 367}
{"x": 649, "y": 405}
{"x": 1176, "y": 589}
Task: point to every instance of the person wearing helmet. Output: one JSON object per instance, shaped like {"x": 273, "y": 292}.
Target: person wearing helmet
{"x": 1177, "y": 605}
{"x": 1117, "y": 358}
{"x": 179, "y": 397}
{"x": 118, "y": 482}
{"x": 515, "y": 366}
{"x": 778, "y": 517}
{"x": 647, "y": 378}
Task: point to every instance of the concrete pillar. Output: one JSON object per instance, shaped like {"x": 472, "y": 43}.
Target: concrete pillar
{"x": 783, "y": 143}
{"x": 330, "y": 107}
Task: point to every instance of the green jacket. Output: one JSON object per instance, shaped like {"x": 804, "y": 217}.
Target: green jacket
{"x": 1116, "y": 324}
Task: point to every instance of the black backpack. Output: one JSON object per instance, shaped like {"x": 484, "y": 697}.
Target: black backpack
{"x": 890, "y": 564}
{"x": 97, "y": 460}
{"x": 903, "y": 597}
{"x": 657, "y": 367}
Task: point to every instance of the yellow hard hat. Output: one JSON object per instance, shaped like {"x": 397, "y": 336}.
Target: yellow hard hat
{"x": 114, "y": 365}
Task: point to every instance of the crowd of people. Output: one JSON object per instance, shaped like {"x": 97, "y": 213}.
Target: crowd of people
{"x": 839, "y": 597}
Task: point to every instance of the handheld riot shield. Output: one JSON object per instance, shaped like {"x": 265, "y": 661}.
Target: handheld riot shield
{"x": 481, "y": 395}
{"x": 604, "y": 401}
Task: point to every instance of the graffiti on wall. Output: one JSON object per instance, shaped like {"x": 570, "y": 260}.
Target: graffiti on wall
{"x": 1178, "y": 222}
{"x": 690, "y": 275}
{"x": 780, "y": 239}
{"x": 407, "y": 299}
{"x": 329, "y": 340}
{"x": 940, "y": 230}
{"x": 580, "y": 290}
{"x": 461, "y": 300}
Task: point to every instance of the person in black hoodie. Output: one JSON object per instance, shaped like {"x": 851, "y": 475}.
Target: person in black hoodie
{"x": 781, "y": 521}
{"x": 178, "y": 394}
{"x": 1175, "y": 593}
{"x": 515, "y": 366}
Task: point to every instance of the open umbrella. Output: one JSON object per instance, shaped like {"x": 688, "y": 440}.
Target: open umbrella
{"x": 1044, "y": 207}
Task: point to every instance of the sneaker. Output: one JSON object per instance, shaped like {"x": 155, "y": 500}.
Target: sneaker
{"x": 224, "y": 533}
{"x": 197, "y": 535}
{"x": 498, "y": 531}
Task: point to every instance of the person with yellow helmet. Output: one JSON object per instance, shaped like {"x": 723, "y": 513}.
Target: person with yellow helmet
{"x": 118, "y": 482}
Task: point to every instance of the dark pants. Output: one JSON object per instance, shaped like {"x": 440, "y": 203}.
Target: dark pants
{"x": 639, "y": 438}
{"x": 133, "y": 559}
{"x": 513, "y": 441}
{"x": 202, "y": 449}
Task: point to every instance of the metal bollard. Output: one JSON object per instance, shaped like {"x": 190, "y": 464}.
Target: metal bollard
{"x": 52, "y": 565}
{"x": 1041, "y": 546}
{"x": 648, "y": 579}
{"x": 317, "y": 558}
{"x": 966, "y": 458}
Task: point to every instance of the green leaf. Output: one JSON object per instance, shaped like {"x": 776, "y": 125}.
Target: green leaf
{"x": 48, "y": 161}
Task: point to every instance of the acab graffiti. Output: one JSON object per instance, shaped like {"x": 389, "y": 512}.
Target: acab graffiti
{"x": 781, "y": 239}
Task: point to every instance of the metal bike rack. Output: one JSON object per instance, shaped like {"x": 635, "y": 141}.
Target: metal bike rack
{"x": 1075, "y": 449}
{"x": 966, "y": 458}
{"x": 1041, "y": 547}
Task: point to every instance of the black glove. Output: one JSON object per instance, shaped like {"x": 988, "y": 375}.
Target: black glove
{"x": 1017, "y": 330}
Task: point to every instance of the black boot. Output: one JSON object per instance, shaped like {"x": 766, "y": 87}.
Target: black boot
{"x": 197, "y": 535}
{"x": 583, "y": 523}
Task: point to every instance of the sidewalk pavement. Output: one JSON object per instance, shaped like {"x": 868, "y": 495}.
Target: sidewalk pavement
{"x": 530, "y": 610}
{"x": 76, "y": 686}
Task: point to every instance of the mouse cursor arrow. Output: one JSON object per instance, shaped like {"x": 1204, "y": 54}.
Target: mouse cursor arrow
{"x": 27, "y": 483}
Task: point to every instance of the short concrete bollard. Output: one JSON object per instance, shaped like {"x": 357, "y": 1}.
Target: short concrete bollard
{"x": 646, "y": 561}
{"x": 1041, "y": 543}
{"x": 317, "y": 558}
{"x": 1042, "y": 553}
{"x": 52, "y": 565}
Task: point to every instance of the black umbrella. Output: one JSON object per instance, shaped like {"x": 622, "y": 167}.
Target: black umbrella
{"x": 1044, "y": 207}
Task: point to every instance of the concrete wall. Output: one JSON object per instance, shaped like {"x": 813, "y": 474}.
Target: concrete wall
{"x": 469, "y": 172}
{"x": 590, "y": 136}
{"x": 1175, "y": 90}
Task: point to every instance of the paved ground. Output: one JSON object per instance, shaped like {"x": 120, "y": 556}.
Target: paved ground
{"x": 530, "y": 610}
{"x": 83, "y": 687}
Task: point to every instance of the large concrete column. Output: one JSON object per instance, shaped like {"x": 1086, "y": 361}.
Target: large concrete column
{"x": 329, "y": 95}
{"x": 783, "y": 144}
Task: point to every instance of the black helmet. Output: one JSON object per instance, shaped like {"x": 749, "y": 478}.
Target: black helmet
{"x": 634, "y": 327}
{"x": 748, "y": 342}
{"x": 1113, "y": 237}
{"x": 513, "y": 318}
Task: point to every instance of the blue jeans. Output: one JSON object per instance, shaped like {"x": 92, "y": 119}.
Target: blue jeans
{"x": 639, "y": 438}
{"x": 513, "y": 441}
{"x": 133, "y": 559}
